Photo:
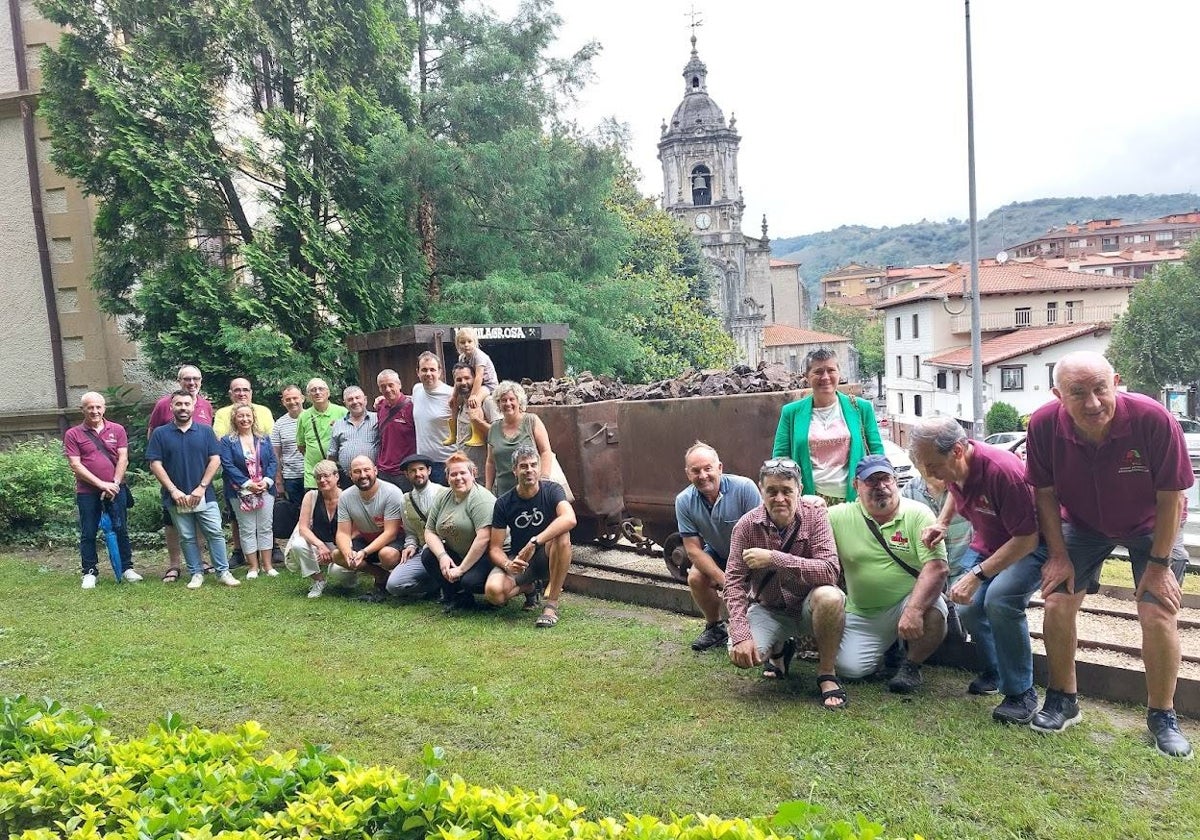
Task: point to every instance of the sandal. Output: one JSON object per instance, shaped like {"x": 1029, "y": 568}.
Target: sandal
{"x": 775, "y": 672}
{"x": 208, "y": 569}
{"x": 170, "y": 576}
{"x": 833, "y": 693}
{"x": 548, "y": 618}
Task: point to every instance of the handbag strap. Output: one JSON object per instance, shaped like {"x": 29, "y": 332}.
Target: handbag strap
{"x": 317, "y": 435}
{"x": 100, "y": 445}
{"x": 862, "y": 425}
{"x": 879, "y": 538}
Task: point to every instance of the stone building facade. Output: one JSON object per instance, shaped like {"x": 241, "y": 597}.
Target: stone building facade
{"x": 58, "y": 344}
{"x": 699, "y": 155}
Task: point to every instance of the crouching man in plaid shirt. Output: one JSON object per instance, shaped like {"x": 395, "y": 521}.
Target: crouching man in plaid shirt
{"x": 781, "y": 582}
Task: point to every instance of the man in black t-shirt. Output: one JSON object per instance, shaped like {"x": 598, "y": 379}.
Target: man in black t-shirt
{"x": 539, "y": 519}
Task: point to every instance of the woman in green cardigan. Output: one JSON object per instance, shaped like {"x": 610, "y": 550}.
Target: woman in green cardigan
{"x": 827, "y": 433}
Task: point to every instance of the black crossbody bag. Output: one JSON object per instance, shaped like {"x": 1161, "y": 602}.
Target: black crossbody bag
{"x": 99, "y": 444}
{"x": 784, "y": 549}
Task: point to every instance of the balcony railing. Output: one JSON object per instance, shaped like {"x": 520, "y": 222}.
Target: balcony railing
{"x": 1038, "y": 317}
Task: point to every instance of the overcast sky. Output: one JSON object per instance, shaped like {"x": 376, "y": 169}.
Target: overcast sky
{"x": 854, "y": 111}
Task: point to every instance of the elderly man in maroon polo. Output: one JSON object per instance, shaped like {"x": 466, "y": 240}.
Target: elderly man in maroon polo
{"x": 1109, "y": 468}
{"x": 397, "y": 430}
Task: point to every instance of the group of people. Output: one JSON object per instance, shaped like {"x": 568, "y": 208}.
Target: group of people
{"x": 826, "y": 547}
{"x": 389, "y": 491}
{"x": 823, "y": 546}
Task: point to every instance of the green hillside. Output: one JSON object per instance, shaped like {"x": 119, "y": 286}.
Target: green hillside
{"x": 934, "y": 242}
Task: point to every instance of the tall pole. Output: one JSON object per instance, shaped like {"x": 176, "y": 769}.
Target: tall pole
{"x": 976, "y": 337}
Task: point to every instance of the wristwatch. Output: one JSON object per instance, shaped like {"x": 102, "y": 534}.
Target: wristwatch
{"x": 1160, "y": 561}
{"x": 977, "y": 570}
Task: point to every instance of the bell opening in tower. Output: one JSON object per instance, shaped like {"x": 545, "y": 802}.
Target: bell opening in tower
{"x": 701, "y": 186}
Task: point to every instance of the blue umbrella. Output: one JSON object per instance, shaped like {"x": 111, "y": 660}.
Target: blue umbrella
{"x": 110, "y": 540}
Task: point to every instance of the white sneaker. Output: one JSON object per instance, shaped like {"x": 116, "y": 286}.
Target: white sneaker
{"x": 318, "y": 589}
{"x": 196, "y": 581}
{"x": 89, "y": 581}
{"x": 272, "y": 573}
{"x": 228, "y": 579}
{"x": 251, "y": 575}
{"x": 131, "y": 576}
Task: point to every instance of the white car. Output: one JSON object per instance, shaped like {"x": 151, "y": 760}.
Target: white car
{"x": 1191, "y": 433}
{"x": 1004, "y": 438}
{"x": 900, "y": 460}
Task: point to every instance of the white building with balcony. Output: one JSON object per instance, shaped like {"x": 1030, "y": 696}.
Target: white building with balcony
{"x": 1030, "y": 316}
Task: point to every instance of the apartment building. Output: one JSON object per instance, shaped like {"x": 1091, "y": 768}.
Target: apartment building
{"x": 1029, "y": 315}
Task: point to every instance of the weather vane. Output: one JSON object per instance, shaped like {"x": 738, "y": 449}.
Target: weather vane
{"x": 696, "y": 22}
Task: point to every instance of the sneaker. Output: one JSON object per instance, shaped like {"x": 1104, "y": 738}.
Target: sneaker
{"x": 228, "y": 579}
{"x": 908, "y": 678}
{"x": 985, "y": 684}
{"x": 272, "y": 573}
{"x": 318, "y": 588}
{"x": 373, "y": 597}
{"x": 196, "y": 581}
{"x": 713, "y": 635}
{"x": 236, "y": 558}
{"x": 252, "y": 574}
{"x": 130, "y": 576}
{"x": 1168, "y": 740}
{"x": 89, "y": 580}
{"x": 1058, "y": 712}
{"x": 277, "y": 555}
{"x": 1017, "y": 708}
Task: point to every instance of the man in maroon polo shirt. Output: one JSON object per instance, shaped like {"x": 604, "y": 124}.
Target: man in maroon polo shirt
{"x": 189, "y": 380}
{"x": 397, "y": 431}
{"x": 1109, "y": 468}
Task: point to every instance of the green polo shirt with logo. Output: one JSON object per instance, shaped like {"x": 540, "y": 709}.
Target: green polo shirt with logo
{"x": 874, "y": 581}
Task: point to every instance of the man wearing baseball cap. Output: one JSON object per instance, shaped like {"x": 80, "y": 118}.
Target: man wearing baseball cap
{"x": 893, "y": 580}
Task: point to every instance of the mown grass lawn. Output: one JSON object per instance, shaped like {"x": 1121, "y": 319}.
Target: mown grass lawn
{"x": 610, "y": 708}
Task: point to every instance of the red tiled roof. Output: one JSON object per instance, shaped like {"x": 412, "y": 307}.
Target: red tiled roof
{"x": 783, "y": 263}
{"x": 775, "y": 335}
{"x": 1011, "y": 278}
{"x": 1014, "y": 344}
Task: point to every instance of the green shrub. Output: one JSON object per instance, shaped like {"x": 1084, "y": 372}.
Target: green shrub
{"x": 38, "y": 486}
{"x": 62, "y": 775}
{"x": 1002, "y": 417}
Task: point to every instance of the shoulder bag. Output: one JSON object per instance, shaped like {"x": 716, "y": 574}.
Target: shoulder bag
{"x": 108, "y": 453}
{"x": 954, "y": 627}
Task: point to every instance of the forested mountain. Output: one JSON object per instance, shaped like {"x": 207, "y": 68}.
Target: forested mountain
{"x": 934, "y": 242}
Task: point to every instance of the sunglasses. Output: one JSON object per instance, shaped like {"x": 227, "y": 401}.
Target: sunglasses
{"x": 781, "y": 464}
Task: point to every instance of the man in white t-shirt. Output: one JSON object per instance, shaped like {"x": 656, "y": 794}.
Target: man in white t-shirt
{"x": 431, "y": 415}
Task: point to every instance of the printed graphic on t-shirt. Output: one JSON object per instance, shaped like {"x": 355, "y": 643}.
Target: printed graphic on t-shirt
{"x": 1132, "y": 463}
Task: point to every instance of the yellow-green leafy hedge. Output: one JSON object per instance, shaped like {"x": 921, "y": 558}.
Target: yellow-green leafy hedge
{"x": 62, "y": 775}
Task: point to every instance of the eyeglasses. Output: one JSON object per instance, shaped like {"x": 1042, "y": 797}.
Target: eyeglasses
{"x": 780, "y": 466}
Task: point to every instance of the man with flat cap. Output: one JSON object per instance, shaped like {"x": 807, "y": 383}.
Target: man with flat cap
{"x": 410, "y": 576}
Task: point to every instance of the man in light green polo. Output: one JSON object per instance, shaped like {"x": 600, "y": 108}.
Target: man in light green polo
{"x": 313, "y": 427}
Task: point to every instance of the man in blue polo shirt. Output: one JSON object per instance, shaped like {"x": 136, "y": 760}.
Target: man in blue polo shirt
{"x": 184, "y": 457}
{"x": 706, "y": 513}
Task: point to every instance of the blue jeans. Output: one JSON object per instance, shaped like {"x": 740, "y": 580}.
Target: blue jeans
{"x": 206, "y": 517}
{"x": 995, "y": 618}
{"x": 90, "y": 507}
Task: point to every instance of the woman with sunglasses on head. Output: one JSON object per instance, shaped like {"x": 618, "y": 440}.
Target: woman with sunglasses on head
{"x": 827, "y": 432}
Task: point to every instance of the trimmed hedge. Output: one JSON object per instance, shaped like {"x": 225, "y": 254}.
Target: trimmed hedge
{"x": 62, "y": 775}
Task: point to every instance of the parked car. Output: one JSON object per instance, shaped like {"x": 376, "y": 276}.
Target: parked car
{"x": 900, "y": 460}
{"x": 1004, "y": 438}
{"x": 1191, "y": 433}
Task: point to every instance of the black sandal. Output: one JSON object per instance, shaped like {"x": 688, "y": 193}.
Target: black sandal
{"x": 830, "y": 694}
{"x": 171, "y": 575}
{"x": 771, "y": 671}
